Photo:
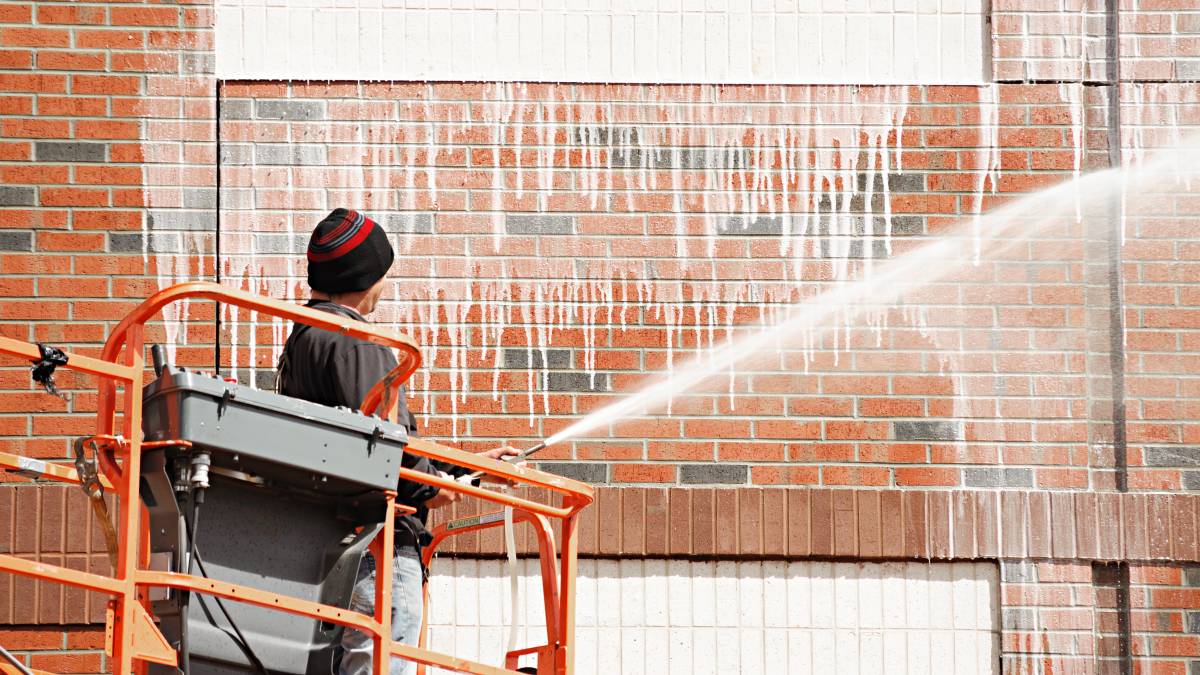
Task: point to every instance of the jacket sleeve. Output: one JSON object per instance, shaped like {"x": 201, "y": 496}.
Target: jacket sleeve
{"x": 359, "y": 369}
{"x": 412, "y": 493}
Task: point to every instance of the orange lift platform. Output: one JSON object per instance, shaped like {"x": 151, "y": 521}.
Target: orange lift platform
{"x": 136, "y": 644}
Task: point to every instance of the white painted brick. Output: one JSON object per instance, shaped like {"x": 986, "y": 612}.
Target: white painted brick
{"x": 553, "y": 62}
{"x": 466, "y": 605}
{"x": 704, "y": 594}
{"x": 881, "y": 41}
{"x": 633, "y": 591}
{"x": 393, "y": 51}
{"x": 870, "y": 597}
{"x": 729, "y": 650}
{"x": 918, "y": 652}
{"x": 941, "y": 648}
{"x": 679, "y": 593}
{"x": 585, "y": 594}
{"x": 657, "y": 650}
{"x": 741, "y": 42}
{"x": 787, "y": 35}
{"x": 845, "y": 595}
{"x": 822, "y": 598}
{"x": 800, "y": 652}
{"x": 661, "y": 613}
{"x": 726, "y": 595}
{"x": 775, "y": 648}
{"x": 870, "y": 652}
{"x": 655, "y": 594}
{"x": 692, "y": 45}
{"x": 600, "y": 47}
{"x": 832, "y": 61}
{"x": 230, "y": 28}
{"x": 575, "y": 41}
{"x": 941, "y": 597}
{"x": 624, "y": 48}
{"x": 917, "y": 594}
{"x": 895, "y": 646}
{"x": 965, "y": 660}
{"x": 608, "y": 645}
{"x": 905, "y": 48}
{"x": 750, "y": 595}
{"x": 528, "y": 40}
{"x": 750, "y": 652}
{"x": 824, "y": 651}
{"x": 681, "y": 650}
{"x": 774, "y": 594}
{"x": 846, "y": 656}
{"x": 608, "y": 589}
{"x": 633, "y": 651}
{"x": 962, "y": 579}
{"x": 704, "y": 652}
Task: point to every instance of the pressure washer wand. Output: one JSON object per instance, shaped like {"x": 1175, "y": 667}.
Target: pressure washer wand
{"x": 513, "y": 459}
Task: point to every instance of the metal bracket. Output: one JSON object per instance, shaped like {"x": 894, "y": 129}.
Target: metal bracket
{"x": 89, "y": 477}
{"x": 228, "y": 396}
{"x": 376, "y": 436}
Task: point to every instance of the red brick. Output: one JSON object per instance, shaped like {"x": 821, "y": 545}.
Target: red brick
{"x": 109, "y": 39}
{"x": 116, "y": 85}
{"x": 703, "y": 522}
{"x": 680, "y": 535}
{"x": 633, "y": 521}
{"x": 75, "y": 197}
{"x": 71, "y": 60}
{"x": 34, "y": 37}
{"x": 144, "y": 16}
{"x": 34, "y": 128}
{"x": 16, "y": 59}
{"x": 644, "y": 473}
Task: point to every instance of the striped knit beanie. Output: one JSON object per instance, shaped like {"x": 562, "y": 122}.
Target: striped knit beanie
{"x": 347, "y": 252}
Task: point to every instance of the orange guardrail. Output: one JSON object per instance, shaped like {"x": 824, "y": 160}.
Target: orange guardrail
{"x": 134, "y": 639}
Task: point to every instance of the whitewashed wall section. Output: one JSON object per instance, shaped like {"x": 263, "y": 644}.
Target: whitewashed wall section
{"x": 673, "y": 41}
{"x": 667, "y": 617}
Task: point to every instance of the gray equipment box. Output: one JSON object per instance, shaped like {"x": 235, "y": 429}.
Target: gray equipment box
{"x": 295, "y": 497}
{"x": 325, "y": 450}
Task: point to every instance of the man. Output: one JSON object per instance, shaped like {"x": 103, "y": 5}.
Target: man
{"x": 348, "y": 259}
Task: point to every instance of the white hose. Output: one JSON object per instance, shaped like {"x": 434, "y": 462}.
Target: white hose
{"x": 510, "y": 545}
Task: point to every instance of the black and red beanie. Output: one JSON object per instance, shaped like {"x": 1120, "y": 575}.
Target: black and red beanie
{"x": 347, "y": 252}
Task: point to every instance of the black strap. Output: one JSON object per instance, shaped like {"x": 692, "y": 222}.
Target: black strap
{"x": 43, "y": 369}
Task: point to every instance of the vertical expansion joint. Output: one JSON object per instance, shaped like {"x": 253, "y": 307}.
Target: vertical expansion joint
{"x": 1116, "y": 291}
{"x": 217, "y": 243}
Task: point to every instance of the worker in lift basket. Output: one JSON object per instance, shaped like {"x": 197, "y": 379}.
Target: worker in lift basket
{"x": 348, "y": 260}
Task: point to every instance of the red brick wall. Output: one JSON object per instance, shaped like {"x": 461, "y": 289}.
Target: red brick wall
{"x": 594, "y": 224}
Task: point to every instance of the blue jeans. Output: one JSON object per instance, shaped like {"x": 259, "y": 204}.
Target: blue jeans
{"x": 407, "y": 606}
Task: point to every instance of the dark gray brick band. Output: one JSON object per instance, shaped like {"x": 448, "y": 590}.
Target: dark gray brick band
{"x": 586, "y": 472}
{"x": 17, "y": 196}
{"x": 925, "y": 430}
{"x": 289, "y": 110}
{"x": 702, "y": 474}
{"x": 409, "y": 223}
{"x": 1173, "y": 456}
{"x": 181, "y": 220}
{"x": 531, "y": 224}
{"x": 51, "y": 151}
{"x": 998, "y": 477}
{"x": 557, "y": 381}
{"x": 519, "y": 358}
{"x": 16, "y": 241}
{"x": 761, "y": 226}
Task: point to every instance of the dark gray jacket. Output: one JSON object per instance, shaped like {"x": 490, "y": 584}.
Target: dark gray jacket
{"x": 338, "y": 370}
